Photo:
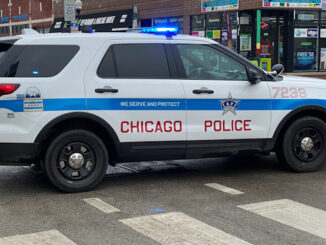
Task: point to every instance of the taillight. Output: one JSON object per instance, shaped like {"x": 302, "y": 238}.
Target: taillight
{"x": 8, "y": 88}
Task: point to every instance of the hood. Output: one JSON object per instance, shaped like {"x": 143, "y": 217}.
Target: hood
{"x": 308, "y": 81}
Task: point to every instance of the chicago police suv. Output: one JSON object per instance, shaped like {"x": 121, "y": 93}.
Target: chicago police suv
{"x": 74, "y": 103}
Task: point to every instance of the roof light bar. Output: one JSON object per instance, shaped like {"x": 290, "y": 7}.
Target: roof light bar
{"x": 168, "y": 31}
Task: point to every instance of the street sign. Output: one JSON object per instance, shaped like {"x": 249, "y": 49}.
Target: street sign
{"x": 69, "y": 8}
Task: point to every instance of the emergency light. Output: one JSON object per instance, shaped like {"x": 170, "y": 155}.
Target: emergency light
{"x": 168, "y": 31}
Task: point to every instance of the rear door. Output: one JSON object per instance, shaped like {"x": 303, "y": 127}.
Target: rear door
{"x": 133, "y": 86}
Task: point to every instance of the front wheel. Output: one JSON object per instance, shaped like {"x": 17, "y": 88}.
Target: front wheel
{"x": 76, "y": 161}
{"x": 304, "y": 148}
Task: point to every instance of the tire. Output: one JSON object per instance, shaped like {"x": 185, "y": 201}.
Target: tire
{"x": 76, "y": 161}
{"x": 303, "y": 146}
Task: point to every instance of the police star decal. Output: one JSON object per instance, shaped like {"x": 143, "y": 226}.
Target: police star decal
{"x": 229, "y": 105}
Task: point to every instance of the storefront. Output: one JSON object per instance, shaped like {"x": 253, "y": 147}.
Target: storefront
{"x": 100, "y": 22}
{"x": 214, "y": 26}
{"x": 291, "y": 32}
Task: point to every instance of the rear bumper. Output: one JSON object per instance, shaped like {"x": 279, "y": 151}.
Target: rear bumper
{"x": 18, "y": 152}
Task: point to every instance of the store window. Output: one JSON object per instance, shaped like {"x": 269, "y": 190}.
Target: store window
{"x": 306, "y": 17}
{"x": 4, "y": 30}
{"x": 322, "y": 42}
{"x": 146, "y": 23}
{"x": 234, "y": 26}
{"x": 306, "y": 33}
{"x": 245, "y": 35}
{"x": 214, "y": 26}
{"x": 198, "y": 25}
{"x": 42, "y": 29}
{"x": 17, "y": 29}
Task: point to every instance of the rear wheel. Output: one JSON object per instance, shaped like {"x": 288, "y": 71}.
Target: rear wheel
{"x": 303, "y": 148}
{"x": 76, "y": 161}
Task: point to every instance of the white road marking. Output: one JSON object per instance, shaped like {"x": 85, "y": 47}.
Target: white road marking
{"x": 101, "y": 205}
{"x": 178, "y": 228}
{"x": 224, "y": 189}
{"x": 294, "y": 214}
{"x": 52, "y": 237}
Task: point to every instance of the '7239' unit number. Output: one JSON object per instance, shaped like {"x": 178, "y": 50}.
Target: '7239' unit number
{"x": 289, "y": 93}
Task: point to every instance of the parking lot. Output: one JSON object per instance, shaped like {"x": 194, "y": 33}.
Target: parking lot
{"x": 169, "y": 203}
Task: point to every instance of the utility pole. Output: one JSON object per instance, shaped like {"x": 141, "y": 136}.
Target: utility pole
{"x": 135, "y": 16}
{"x": 10, "y": 24}
{"x": 30, "y": 14}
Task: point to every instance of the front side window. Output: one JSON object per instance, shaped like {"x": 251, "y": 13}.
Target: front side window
{"x": 37, "y": 60}
{"x": 202, "y": 62}
{"x": 135, "y": 61}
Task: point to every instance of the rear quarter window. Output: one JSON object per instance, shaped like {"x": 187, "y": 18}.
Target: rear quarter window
{"x": 5, "y": 46}
{"x": 37, "y": 60}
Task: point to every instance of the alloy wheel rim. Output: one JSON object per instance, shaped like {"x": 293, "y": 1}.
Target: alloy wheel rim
{"x": 308, "y": 144}
{"x": 76, "y": 161}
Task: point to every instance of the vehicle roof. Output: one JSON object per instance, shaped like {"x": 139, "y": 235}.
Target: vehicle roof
{"x": 101, "y": 36}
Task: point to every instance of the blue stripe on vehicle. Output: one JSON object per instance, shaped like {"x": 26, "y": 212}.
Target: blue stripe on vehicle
{"x": 64, "y": 104}
{"x": 291, "y": 104}
{"x": 12, "y": 105}
{"x": 216, "y": 105}
{"x": 77, "y": 104}
{"x": 137, "y": 104}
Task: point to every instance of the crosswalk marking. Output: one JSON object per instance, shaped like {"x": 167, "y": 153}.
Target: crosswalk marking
{"x": 224, "y": 189}
{"x": 101, "y": 205}
{"x": 52, "y": 237}
{"x": 178, "y": 228}
{"x": 294, "y": 214}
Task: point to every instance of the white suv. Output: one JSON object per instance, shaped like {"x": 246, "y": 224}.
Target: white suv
{"x": 74, "y": 103}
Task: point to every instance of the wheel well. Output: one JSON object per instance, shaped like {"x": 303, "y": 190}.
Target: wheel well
{"x": 51, "y": 131}
{"x": 315, "y": 112}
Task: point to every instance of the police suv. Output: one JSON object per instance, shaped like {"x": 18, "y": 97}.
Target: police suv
{"x": 74, "y": 103}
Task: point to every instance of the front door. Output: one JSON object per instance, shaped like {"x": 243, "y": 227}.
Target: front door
{"x": 131, "y": 86}
{"x": 222, "y": 106}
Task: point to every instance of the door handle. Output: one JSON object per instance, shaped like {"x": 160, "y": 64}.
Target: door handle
{"x": 203, "y": 91}
{"x": 106, "y": 90}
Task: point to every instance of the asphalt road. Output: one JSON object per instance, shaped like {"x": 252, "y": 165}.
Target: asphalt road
{"x": 169, "y": 203}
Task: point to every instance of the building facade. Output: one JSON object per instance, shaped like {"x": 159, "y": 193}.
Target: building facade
{"x": 16, "y": 15}
{"x": 291, "y": 32}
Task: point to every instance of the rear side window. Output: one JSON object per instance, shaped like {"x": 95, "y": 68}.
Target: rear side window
{"x": 37, "y": 60}
{"x": 135, "y": 61}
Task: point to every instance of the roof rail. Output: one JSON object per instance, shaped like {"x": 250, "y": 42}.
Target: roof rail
{"x": 28, "y": 31}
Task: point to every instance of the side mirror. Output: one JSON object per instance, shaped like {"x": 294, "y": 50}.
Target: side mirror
{"x": 253, "y": 76}
{"x": 277, "y": 69}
